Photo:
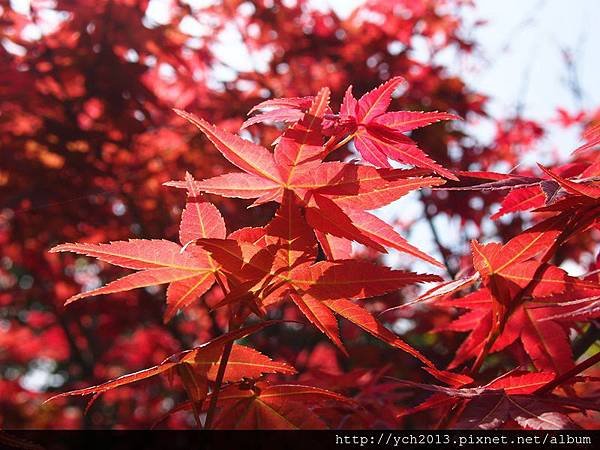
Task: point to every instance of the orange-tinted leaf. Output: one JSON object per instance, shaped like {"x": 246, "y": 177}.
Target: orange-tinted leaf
{"x": 279, "y": 110}
{"x": 363, "y": 318}
{"x": 450, "y": 378}
{"x": 206, "y": 355}
{"x": 522, "y": 383}
{"x": 448, "y": 287}
{"x": 200, "y": 219}
{"x": 134, "y": 253}
{"x": 333, "y": 246}
{"x": 370, "y": 187}
{"x": 243, "y": 362}
{"x": 376, "y": 145}
{"x": 522, "y": 199}
{"x": 181, "y": 293}
{"x": 243, "y": 260}
{"x": 295, "y": 240}
{"x": 273, "y": 407}
{"x": 374, "y": 197}
{"x": 246, "y": 155}
{"x": 328, "y": 218}
{"x": 320, "y": 316}
{"x": 238, "y": 185}
{"x": 145, "y": 278}
{"x": 120, "y": 381}
{"x": 547, "y": 343}
{"x": 160, "y": 262}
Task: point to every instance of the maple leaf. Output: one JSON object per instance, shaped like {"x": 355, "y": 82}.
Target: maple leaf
{"x": 574, "y": 199}
{"x": 198, "y": 366}
{"x": 525, "y": 192}
{"x": 287, "y": 269}
{"x": 586, "y": 189}
{"x": 189, "y": 270}
{"x": 265, "y": 406}
{"x": 279, "y": 110}
{"x": 492, "y": 410}
{"x": 251, "y": 158}
{"x": 515, "y": 286}
{"x": 531, "y": 325}
{"x": 523, "y": 199}
{"x": 511, "y": 397}
{"x": 335, "y": 195}
{"x": 508, "y": 269}
{"x": 378, "y": 134}
{"x": 441, "y": 290}
{"x": 267, "y": 174}
{"x": 200, "y": 218}
{"x": 78, "y": 143}
{"x": 592, "y": 139}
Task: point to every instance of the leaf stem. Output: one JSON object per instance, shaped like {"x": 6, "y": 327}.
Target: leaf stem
{"x": 549, "y": 387}
{"x": 331, "y": 147}
{"x": 212, "y": 406}
{"x": 436, "y": 237}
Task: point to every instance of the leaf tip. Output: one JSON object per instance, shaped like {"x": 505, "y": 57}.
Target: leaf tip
{"x": 73, "y": 299}
{"x": 449, "y": 175}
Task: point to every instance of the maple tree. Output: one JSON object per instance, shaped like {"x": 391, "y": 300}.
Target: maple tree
{"x": 278, "y": 239}
{"x": 259, "y": 268}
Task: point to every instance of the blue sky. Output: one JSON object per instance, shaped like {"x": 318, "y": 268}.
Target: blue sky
{"x": 522, "y": 46}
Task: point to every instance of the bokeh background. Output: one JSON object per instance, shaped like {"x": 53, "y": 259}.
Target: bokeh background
{"x": 88, "y": 136}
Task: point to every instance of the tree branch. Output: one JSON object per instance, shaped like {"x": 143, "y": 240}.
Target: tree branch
{"x": 436, "y": 237}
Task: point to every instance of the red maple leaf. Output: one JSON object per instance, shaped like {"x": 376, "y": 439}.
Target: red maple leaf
{"x": 281, "y": 256}
{"x": 188, "y": 269}
{"x": 334, "y": 195}
{"x": 512, "y": 398}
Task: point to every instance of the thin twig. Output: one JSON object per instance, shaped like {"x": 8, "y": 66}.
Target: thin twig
{"x": 436, "y": 238}
{"x": 212, "y": 407}
{"x": 549, "y": 387}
